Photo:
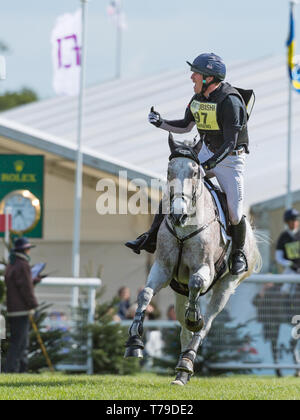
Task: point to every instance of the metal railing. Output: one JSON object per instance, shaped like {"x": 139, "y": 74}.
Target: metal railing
{"x": 57, "y": 292}
{"x": 259, "y": 317}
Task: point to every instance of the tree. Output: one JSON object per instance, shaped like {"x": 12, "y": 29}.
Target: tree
{"x": 11, "y": 99}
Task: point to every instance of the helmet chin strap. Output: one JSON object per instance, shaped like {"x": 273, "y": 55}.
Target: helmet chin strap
{"x": 206, "y": 85}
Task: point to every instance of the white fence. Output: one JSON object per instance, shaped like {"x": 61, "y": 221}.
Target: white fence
{"x": 57, "y": 292}
{"x": 256, "y": 326}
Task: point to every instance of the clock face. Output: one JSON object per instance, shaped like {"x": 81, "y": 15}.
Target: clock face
{"x": 25, "y": 210}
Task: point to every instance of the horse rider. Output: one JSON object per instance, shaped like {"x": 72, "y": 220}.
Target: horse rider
{"x": 288, "y": 245}
{"x": 219, "y": 112}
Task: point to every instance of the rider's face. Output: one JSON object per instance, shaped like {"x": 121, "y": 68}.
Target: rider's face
{"x": 198, "y": 82}
{"x": 293, "y": 224}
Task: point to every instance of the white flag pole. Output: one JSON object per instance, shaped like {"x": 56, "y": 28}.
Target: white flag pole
{"x": 289, "y": 195}
{"x": 119, "y": 46}
{"x": 119, "y": 40}
{"x": 78, "y": 186}
{"x": 8, "y": 214}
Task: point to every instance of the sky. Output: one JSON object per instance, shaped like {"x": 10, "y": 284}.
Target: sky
{"x": 161, "y": 35}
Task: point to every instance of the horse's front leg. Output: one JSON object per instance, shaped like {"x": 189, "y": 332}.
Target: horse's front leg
{"x": 159, "y": 277}
{"x": 221, "y": 294}
{"x": 199, "y": 282}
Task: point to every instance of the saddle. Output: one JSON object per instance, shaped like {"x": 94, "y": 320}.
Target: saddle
{"x": 222, "y": 201}
{"x": 221, "y": 266}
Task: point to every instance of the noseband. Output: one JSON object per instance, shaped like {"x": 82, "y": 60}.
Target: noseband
{"x": 188, "y": 153}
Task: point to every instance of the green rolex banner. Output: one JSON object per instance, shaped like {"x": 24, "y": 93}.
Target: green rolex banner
{"x": 22, "y": 191}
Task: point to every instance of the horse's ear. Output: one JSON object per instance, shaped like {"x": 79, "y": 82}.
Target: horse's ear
{"x": 172, "y": 144}
{"x": 198, "y": 146}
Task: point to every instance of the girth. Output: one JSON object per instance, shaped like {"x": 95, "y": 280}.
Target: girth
{"x": 220, "y": 269}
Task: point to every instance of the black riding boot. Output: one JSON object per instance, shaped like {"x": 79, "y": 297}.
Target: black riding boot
{"x": 147, "y": 241}
{"x": 238, "y": 258}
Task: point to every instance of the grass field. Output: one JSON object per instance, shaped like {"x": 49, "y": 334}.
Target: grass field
{"x": 145, "y": 387}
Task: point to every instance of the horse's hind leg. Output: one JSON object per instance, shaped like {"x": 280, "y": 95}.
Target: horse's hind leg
{"x": 221, "y": 294}
{"x": 159, "y": 277}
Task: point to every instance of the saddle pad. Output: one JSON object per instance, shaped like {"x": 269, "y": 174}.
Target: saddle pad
{"x": 222, "y": 216}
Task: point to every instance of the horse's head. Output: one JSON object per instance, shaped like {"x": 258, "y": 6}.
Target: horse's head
{"x": 184, "y": 174}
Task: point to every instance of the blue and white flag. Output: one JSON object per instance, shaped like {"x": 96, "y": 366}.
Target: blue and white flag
{"x": 293, "y": 63}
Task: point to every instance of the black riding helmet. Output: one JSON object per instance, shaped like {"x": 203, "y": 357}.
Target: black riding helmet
{"x": 209, "y": 64}
{"x": 291, "y": 215}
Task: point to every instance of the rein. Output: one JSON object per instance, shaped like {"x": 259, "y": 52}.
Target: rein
{"x": 181, "y": 241}
{"x": 171, "y": 229}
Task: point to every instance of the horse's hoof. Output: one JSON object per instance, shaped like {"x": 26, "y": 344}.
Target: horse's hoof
{"x": 194, "y": 326}
{"x": 177, "y": 383}
{"x": 133, "y": 352}
{"x": 193, "y": 320}
{"x": 181, "y": 379}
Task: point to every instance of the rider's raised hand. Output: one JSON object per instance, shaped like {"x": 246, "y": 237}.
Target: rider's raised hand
{"x": 154, "y": 118}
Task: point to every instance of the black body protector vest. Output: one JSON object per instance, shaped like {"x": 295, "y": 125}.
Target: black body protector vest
{"x": 207, "y": 115}
{"x": 292, "y": 248}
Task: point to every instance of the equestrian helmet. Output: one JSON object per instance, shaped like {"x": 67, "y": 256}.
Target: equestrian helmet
{"x": 291, "y": 214}
{"x": 209, "y": 64}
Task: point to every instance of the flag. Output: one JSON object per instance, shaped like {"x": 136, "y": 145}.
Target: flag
{"x": 293, "y": 65}
{"x": 66, "y": 41}
{"x": 5, "y": 222}
{"x": 114, "y": 11}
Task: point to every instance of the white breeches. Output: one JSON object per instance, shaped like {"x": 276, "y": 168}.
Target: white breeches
{"x": 230, "y": 176}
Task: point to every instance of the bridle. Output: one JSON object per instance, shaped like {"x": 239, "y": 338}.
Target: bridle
{"x": 189, "y": 154}
{"x": 193, "y": 197}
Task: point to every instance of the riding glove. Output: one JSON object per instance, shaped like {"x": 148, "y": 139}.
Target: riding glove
{"x": 209, "y": 164}
{"x": 154, "y": 118}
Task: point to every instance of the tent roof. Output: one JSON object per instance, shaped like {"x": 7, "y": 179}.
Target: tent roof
{"x": 116, "y": 132}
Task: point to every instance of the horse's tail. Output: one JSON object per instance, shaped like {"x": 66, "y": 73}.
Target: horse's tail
{"x": 258, "y": 258}
{"x": 258, "y": 238}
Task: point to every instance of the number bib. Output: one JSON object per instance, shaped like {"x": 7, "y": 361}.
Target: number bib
{"x": 292, "y": 250}
{"x": 205, "y": 115}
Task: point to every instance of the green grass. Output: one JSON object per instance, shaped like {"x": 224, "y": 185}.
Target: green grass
{"x": 145, "y": 387}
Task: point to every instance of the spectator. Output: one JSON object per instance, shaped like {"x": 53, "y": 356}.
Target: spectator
{"x": 171, "y": 314}
{"x": 124, "y": 303}
{"x": 21, "y": 302}
{"x": 288, "y": 256}
{"x": 288, "y": 245}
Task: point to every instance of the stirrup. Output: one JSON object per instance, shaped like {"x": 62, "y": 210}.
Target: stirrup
{"x": 241, "y": 253}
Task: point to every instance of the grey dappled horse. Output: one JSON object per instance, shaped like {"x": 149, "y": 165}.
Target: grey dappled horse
{"x": 189, "y": 244}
